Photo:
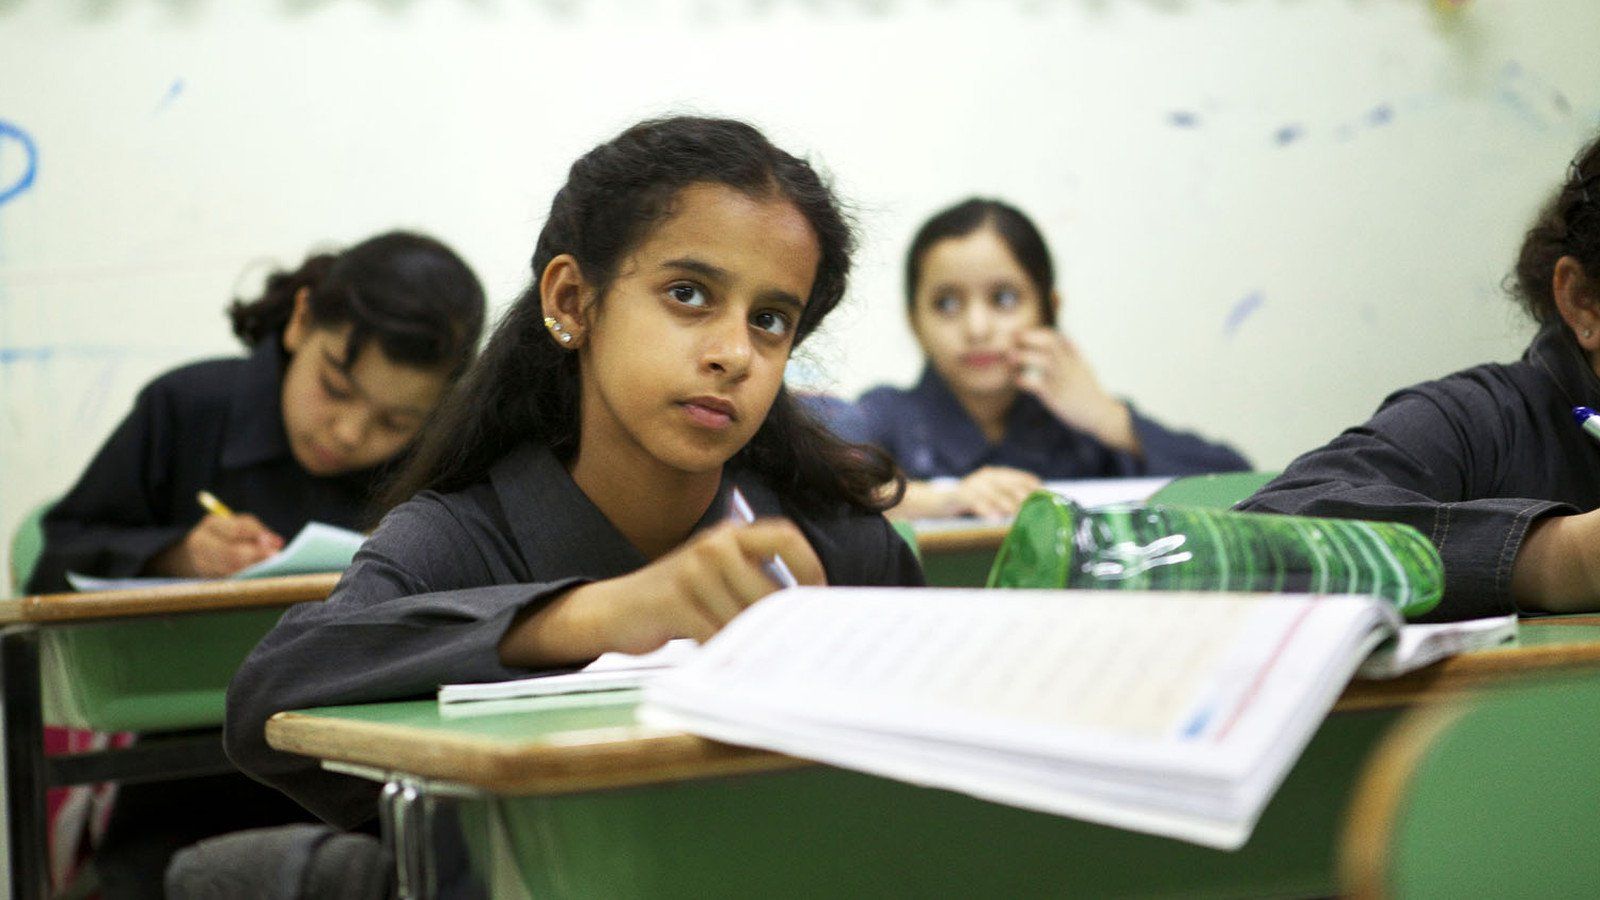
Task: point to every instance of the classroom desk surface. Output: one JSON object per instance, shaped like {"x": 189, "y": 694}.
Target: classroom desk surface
{"x": 957, "y": 539}
{"x": 196, "y": 596}
{"x": 563, "y": 745}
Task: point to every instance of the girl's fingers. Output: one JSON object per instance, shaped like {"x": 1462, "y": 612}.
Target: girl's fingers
{"x": 766, "y": 538}
{"x": 739, "y": 582}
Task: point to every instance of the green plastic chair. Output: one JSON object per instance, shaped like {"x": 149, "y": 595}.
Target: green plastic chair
{"x": 1220, "y": 491}
{"x": 26, "y": 545}
{"x": 1497, "y": 796}
{"x": 904, "y": 529}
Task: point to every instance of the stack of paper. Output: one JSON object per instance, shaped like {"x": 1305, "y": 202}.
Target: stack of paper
{"x": 1174, "y": 714}
{"x": 611, "y": 672}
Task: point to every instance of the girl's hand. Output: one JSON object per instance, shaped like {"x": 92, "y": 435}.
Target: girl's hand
{"x": 218, "y": 547}
{"x": 993, "y": 492}
{"x": 1052, "y": 369}
{"x": 691, "y": 592}
{"x": 1557, "y": 568}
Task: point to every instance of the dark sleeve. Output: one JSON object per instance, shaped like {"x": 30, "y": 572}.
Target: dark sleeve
{"x": 117, "y": 517}
{"x": 866, "y": 551}
{"x": 418, "y": 608}
{"x": 1416, "y": 462}
{"x": 1168, "y": 452}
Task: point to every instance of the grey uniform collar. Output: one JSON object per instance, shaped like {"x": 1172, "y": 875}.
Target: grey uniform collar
{"x": 558, "y": 529}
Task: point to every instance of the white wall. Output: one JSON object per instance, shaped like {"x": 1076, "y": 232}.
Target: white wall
{"x": 180, "y": 141}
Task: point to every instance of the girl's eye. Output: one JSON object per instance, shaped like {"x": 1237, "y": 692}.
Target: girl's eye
{"x": 947, "y": 304}
{"x": 1007, "y": 298}
{"x": 688, "y": 294}
{"x": 773, "y": 323}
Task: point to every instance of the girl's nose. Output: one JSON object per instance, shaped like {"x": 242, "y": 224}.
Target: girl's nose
{"x": 728, "y": 351}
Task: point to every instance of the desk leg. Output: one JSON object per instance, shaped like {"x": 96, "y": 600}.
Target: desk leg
{"x": 22, "y": 726}
{"x": 406, "y": 813}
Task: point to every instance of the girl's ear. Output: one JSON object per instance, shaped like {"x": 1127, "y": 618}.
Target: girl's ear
{"x": 1577, "y": 301}
{"x": 300, "y": 324}
{"x": 1055, "y": 305}
{"x": 565, "y": 297}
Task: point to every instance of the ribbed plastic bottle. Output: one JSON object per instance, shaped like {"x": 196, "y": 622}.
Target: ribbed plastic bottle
{"x": 1057, "y": 543}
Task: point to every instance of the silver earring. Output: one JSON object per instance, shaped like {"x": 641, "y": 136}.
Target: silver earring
{"x": 1587, "y": 332}
{"x": 561, "y": 334}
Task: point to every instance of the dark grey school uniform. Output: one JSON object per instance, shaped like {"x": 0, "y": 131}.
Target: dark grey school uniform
{"x": 930, "y": 435}
{"x": 214, "y": 425}
{"x": 1470, "y": 460}
{"x": 433, "y": 591}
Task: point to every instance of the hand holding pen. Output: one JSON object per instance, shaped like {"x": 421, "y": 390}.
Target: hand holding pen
{"x": 219, "y": 545}
{"x": 691, "y": 592}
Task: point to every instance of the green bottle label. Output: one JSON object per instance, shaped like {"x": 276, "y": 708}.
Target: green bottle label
{"x": 1055, "y": 543}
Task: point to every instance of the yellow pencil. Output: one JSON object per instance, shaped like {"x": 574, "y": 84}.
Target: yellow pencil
{"x": 213, "y": 505}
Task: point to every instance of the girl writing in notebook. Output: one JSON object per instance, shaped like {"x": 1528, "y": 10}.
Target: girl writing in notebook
{"x": 349, "y": 353}
{"x": 573, "y": 497}
{"x": 1489, "y": 463}
{"x": 1005, "y": 398}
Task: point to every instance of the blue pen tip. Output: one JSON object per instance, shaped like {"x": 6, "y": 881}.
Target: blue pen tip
{"x": 1581, "y": 414}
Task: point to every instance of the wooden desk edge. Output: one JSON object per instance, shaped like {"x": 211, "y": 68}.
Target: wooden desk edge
{"x": 613, "y": 758}
{"x": 199, "y": 596}
{"x": 978, "y": 537}
{"x": 533, "y": 767}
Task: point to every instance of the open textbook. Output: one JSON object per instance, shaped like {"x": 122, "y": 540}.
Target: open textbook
{"x": 1174, "y": 714}
{"x": 317, "y": 548}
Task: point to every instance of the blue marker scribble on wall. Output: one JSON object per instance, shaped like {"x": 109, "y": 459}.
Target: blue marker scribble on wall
{"x": 1287, "y": 135}
{"x": 1182, "y": 118}
{"x": 173, "y": 93}
{"x": 11, "y": 134}
{"x": 1381, "y": 114}
{"x": 1241, "y": 311}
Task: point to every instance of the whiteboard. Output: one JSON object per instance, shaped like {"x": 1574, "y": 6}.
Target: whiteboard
{"x": 1266, "y": 215}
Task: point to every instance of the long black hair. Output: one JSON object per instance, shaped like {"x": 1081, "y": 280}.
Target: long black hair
{"x": 525, "y": 386}
{"x": 1016, "y": 231}
{"x": 1568, "y": 225}
{"x": 409, "y": 292}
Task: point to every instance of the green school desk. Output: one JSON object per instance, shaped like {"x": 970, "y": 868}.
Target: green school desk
{"x": 151, "y": 660}
{"x": 569, "y": 796}
{"x": 1492, "y": 796}
{"x": 960, "y": 557}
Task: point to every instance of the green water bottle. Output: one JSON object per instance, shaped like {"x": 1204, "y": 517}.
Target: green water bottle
{"x": 1055, "y": 543}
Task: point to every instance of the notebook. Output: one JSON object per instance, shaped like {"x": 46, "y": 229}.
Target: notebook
{"x": 317, "y": 548}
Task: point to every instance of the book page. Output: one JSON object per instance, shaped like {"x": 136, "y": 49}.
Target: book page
{"x": 1086, "y": 492}
{"x": 318, "y": 547}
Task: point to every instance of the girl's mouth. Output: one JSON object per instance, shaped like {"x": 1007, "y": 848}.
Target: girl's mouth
{"x": 709, "y": 412}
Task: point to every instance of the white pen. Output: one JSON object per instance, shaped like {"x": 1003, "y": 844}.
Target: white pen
{"x": 739, "y": 510}
{"x": 1588, "y": 420}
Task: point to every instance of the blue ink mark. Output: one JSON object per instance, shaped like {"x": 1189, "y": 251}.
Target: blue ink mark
{"x": 1241, "y": 311}
{"x": 1380, "y": 115}
{"x": 1561, "y": 103}
{"x": 173, "y": 93}
{"x": 1197, "y": 724}
{"x": 1287, "y": 135}
{"x": 30, "y": 155}
{"x": 1182, "y": 118}
{"x": 12, "y": 355}
{"x": 1525, "y": 111}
